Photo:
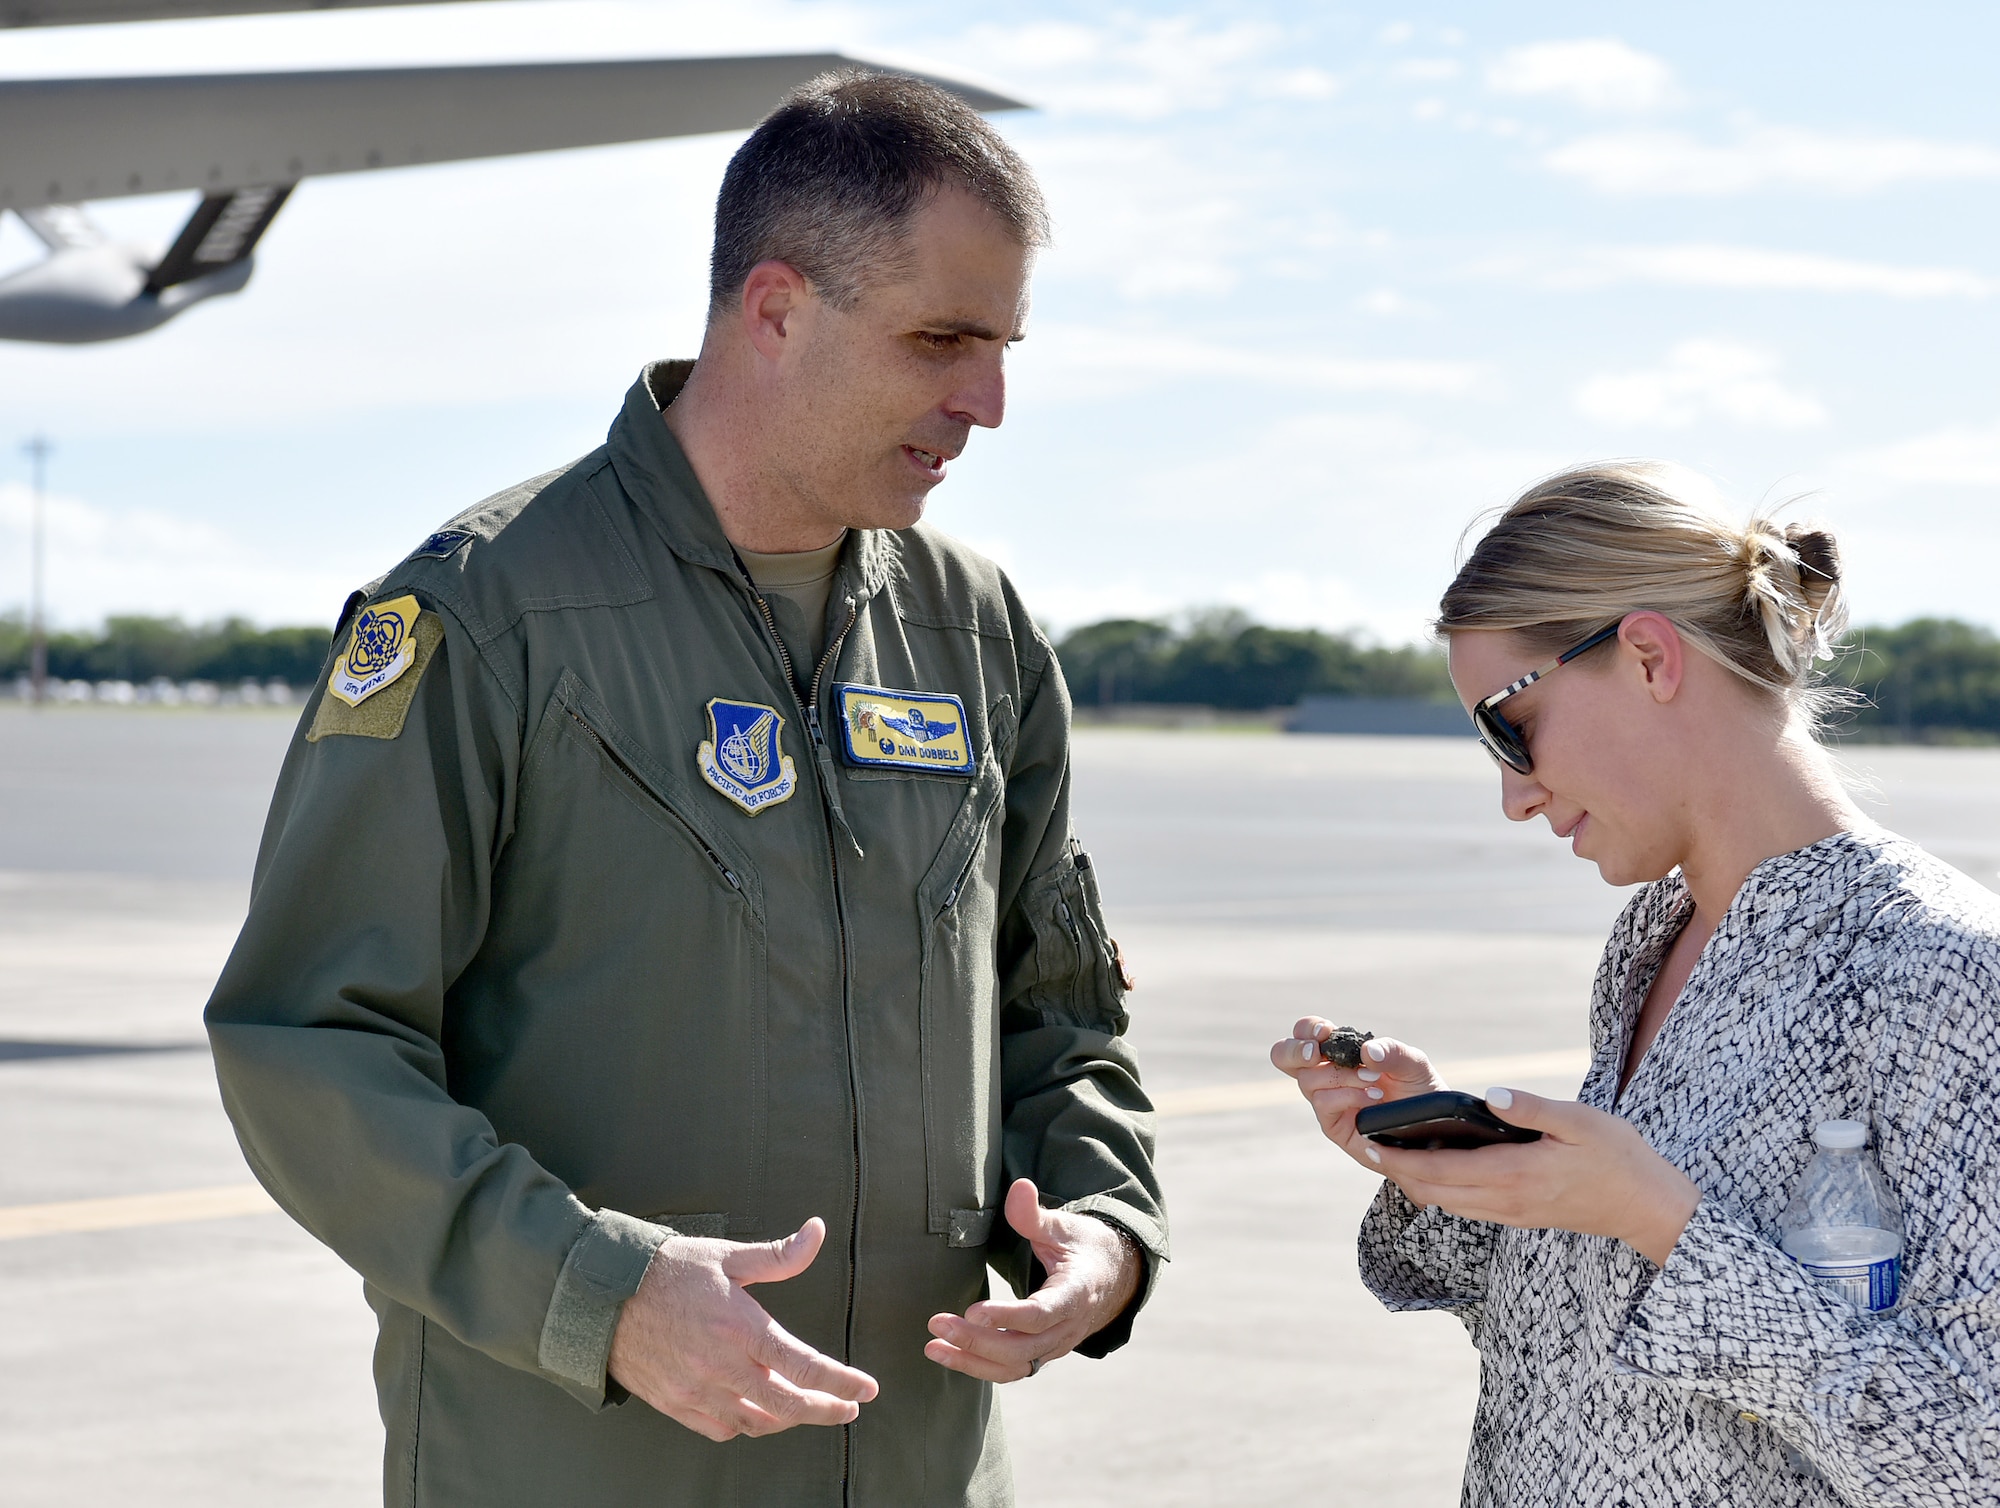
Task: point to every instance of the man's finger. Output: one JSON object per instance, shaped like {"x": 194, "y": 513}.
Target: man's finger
{"x": 973, "y": 1365}
{"x": 772, "y": 1347}
{"x": 1011, "y": 1347}
{"x": 788, "y": 1405}
{"x": 1041, "y": 1310}
{"x": 775, "y": 1261}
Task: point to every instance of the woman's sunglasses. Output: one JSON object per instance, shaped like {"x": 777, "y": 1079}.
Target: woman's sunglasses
{"x": 1501, "y": 738}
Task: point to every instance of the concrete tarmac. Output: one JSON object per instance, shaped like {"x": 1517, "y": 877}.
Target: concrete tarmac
{"x": 224, "y": 1361}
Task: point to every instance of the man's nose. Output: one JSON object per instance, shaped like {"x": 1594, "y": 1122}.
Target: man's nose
{"x": 1521, "y": 796}
{"x": 981, "y": 398}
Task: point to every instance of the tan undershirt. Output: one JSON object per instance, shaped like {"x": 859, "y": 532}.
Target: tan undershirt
{"x": 797, "y": 586}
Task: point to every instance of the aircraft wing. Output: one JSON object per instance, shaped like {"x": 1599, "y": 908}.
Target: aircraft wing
{"x": 94, "y": 12}
{"x": 65, "y": 140}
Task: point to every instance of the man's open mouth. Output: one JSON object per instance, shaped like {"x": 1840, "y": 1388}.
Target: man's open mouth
{"x": 929, "y": 460}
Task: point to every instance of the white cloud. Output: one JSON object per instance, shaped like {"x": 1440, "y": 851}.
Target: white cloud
{"x": 1675, "y": 163}
{"x": 140, "y": 561}
{"x": 1711, "y": 264}
{"x": 1701, "y": 379}
{"x": 1131, "y": 68}
{"x": 1429, "y": 70}
{"x": 1074, "y": 360}
{"x": 1957, "y": 457}
{"x": 1598, "y": 73}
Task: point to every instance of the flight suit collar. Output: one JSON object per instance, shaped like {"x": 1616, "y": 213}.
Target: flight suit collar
{"x": 656, "y": 472}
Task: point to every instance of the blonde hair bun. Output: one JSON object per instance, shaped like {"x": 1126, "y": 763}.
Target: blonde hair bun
{"x": 1579, "y": 550}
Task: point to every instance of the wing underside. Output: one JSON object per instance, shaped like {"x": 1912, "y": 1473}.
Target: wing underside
{"x": 95, "y": 12}
{"x": 66, "y": 140}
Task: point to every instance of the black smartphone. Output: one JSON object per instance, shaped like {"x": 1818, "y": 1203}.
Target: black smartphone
{"x": 1446, "y": 1118}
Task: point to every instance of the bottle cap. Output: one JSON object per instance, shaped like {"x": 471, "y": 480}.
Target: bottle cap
{"x": 1841, "y": 1136}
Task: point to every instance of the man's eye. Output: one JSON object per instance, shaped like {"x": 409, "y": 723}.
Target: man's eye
{"x": 936, "y": 341}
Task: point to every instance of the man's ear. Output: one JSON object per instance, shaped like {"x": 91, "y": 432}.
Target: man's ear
{"x": 1655, "y": 647}
{"x": 773, "y": 295}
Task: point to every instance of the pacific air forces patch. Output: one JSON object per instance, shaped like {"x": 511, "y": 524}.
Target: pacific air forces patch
{"x": 742, "y": 756}
{"x": 904, "y": 730}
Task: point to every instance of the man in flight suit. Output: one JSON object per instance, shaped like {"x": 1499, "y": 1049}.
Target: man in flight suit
{"x": 670, "y": 889}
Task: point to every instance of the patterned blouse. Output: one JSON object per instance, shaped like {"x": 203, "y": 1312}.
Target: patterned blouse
{"x": 1856, "y": 979}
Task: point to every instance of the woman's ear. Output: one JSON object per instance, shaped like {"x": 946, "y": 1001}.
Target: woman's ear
{"x": 1654, "y": 646}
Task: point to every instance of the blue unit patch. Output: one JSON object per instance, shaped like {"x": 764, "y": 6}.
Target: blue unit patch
{"x": 743, "y": 758}
{"x": 904, "y": 730}
{"x": 441, "y": 545}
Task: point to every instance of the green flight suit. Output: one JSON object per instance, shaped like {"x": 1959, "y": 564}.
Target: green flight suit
{"x": 521, "y": 990}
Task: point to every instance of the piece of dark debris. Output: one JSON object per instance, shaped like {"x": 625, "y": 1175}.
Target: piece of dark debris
{"x": 1342, "y": 1046}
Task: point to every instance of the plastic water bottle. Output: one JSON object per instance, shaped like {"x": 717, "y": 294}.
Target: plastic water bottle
{"x": 1842, "y": 1225}
{"x": 1843, "y": 1228}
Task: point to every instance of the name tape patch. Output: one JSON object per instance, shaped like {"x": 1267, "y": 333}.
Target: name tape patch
{"x": 904, "y": 730}
{"x": 743, "y": 757}
{"x": 382, "y": 645}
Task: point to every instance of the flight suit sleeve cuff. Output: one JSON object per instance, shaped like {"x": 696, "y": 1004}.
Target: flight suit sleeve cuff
{"x": 1149, "y": 1241}
{"x": 602, "y": 1271}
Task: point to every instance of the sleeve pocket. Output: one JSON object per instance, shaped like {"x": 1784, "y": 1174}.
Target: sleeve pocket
{"x": 1079, "y": 977}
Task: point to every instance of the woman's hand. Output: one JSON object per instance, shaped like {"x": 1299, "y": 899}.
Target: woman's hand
{"x": 1390, "y": 1070}
{"x": 1591, "y": 1172}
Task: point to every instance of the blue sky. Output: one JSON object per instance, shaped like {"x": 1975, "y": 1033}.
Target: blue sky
{"x": 1328, "y": 282}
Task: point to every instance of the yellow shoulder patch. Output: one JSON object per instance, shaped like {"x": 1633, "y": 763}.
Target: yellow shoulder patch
{"x": 374, "y": 679}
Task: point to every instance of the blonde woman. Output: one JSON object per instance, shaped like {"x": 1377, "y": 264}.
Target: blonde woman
{"x": 1641, "y": 669}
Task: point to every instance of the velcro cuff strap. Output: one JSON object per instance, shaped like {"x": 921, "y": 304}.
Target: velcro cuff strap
{"x": 602, "y": 1271}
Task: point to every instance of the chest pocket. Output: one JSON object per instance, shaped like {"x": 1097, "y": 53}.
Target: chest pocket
{"x": 626, "y": 980}
{"x": 959, "y": 1010}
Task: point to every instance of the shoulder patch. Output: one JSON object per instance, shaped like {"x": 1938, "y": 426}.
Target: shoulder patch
{"x": 374, "y": 680}
{"x": 442, "y": 545}
{"x": 905, "y": 730}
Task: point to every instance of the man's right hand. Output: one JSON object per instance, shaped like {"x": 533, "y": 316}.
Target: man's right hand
{"x": 1390, "y": 1070}
{"x": 699, "y": 1349}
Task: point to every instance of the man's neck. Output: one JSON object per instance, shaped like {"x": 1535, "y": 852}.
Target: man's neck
{"x": 719, "y": 430}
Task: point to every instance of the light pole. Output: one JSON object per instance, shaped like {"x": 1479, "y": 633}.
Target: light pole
{"x": 38, "y": 637}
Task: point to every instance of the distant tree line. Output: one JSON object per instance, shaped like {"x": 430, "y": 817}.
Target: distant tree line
{"x": 1222, "y": 658}
{"x": 138, "y": 649}
{"x": 1927, "y": 679}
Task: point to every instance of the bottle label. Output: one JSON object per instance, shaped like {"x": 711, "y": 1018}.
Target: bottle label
{"x": 1866, "y": 1285}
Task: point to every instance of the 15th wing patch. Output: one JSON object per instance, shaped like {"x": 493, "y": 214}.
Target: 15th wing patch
{"x": 904, "y": 730}
{"x": 374, "y": 679}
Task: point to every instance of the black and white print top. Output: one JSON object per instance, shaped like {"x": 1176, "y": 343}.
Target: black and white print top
{"x": 1857, "y": 979}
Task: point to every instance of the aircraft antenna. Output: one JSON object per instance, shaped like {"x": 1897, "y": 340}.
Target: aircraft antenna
{"x": 39, "y": 450}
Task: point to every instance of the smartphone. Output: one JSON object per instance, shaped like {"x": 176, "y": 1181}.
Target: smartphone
{"x": 1446, "y": 1118}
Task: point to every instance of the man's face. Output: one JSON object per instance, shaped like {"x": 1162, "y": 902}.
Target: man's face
{"x": 883, "y": 395}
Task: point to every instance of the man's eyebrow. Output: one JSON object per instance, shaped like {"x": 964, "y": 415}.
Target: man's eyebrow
{"x": 975, "y": 328}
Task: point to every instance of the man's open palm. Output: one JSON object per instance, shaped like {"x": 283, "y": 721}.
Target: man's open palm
{"x": 1093, "y": 1274}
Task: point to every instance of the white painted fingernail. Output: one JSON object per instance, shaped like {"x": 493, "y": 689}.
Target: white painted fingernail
{"x": 1371, "y": 1154}
{"x": 1312, "y": 1051}
{"x": 1378, "y": 1052}
{"x": 1500, "y": 1099}
{"x": 1374, "y": 1094}
{"x": 1367, "y": 1075}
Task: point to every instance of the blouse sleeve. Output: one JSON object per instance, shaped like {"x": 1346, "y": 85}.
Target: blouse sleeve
{"x": 1416, "y": 1258}
{"x": 1902, "y": 1408}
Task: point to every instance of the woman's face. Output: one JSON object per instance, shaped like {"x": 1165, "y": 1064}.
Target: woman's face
{"x": 1605, "y": 747}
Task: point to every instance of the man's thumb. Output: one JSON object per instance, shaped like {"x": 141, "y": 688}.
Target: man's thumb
{"x": 775, "y": 1261}
{"x": 1024, "y": 1208}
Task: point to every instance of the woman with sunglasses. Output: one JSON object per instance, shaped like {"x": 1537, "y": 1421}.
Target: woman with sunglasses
{"x": 1641, "y": 670}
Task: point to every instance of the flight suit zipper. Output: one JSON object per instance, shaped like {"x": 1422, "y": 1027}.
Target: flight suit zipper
{"x": 835, "y": 818}
{"x": 721, "y": 865}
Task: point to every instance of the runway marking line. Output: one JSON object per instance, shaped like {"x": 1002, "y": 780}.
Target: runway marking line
{"x": 230, "y": 1200}
{"x": 130, "y": 1210}
{"x": 1280, "y": 1090}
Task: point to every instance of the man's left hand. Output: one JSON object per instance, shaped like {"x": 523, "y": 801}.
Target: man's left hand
{"x": 1093, "y": 1274}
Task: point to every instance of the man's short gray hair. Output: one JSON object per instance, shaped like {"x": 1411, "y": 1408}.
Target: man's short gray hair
{"x": 829, "y": 180}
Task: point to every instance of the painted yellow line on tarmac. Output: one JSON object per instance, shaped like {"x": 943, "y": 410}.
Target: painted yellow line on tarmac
{"x": 1475, "y": 1074}
{"x": 129, "y": 1210}
{"x": 17, "y": 1222}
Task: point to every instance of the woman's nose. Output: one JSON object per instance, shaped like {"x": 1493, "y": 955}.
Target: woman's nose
{"x": 1521, "y": 796}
